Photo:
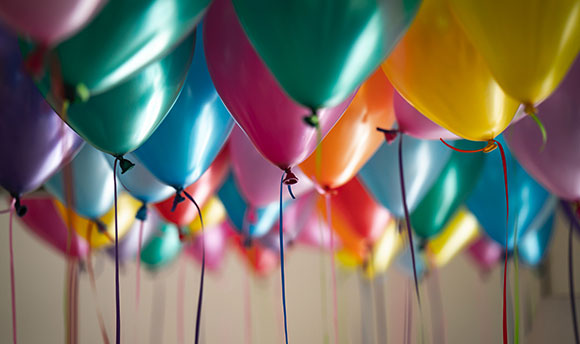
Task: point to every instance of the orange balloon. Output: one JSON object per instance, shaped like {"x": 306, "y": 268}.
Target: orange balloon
{"x": 354, "y": 138}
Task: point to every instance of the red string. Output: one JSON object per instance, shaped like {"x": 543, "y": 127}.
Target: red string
{"x": 12, "y": 287}
{"x": 333, "y": 268}
{"x": 462, "y": 150}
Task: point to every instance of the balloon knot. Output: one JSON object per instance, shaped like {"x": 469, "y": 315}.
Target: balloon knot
{"x": 20, "y": 209}
{"x": 312, "y": 119}
{"x": 177, "y": 199}
{"x": 529, "y": 108}
{"x": 491, "y": 146}
{"x": 390, "y": 134}
{"x": 247, "y": 243}
{"x": 142, "y": 212}
{"x": 423, "y": 244}
{"x": 34, "y": 63}
{"x": 101, "y": 228}
{"x": 531, "y": 111}
{"x": 290, "y": 178}
{"x": 182, "y": 237}
{"x": 124, "y": 164}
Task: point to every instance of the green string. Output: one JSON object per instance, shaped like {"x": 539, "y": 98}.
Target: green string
{"x": 541, "y": 127}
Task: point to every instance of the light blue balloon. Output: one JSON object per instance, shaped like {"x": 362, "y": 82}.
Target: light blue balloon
{"x": 92, "y": 184}
{"x": 141, "y": 183}
{"x": 237, "y": 207}
{"x": 532, "y": 246}
{"x": 163, "y": 248}
{"x": 488, "y": 204}
{"x": 194, "y": 131}
{"x": 423, "y": 161}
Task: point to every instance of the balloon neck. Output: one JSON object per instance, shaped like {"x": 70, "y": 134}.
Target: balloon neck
{"x": 529, "y": 108}
{"x": 177, "y": 199}
{"x": 142, "y": 212}
{"x": 101, "y": 228}
{"x": 390, "y": 134}
{"x": 18, "y": 207}
{"x": 182, "y": 236}
{"x": 124, "y": 164}
{"x": 422, "y": 244}
{"x": 312, "y": 120}
{"x": 34, "y": 63}
{"x": 290, "y": 178}
{"x": 247, "y": 242}
{"x": 491, "y": 146}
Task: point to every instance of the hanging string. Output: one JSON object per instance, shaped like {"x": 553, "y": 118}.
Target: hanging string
{"x": 571, "y": 284}
{"x": 68, "y": 303}
{"x": 117, "y": 287}
{"x": 333, "y": 268}
{"x": 531, "y": 111}
{"x": 93, "y": 283}
{"x": 437, "y": 313}
{"x": 12, "y": 282}
{"x": 138, "y": 272}
{"x": 516, "y": 285}
{"x": 180, "y": 301}
{"x": 409, "y": 316}
{"x": 282, "y": 273}
{"x": 75, "y": 300}
{"x": 323, "y": 284}
{"x": 248, "y": 306}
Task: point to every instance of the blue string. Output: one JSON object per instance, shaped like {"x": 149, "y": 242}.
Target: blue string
{"x": 290, "y": 191}
{"x": 117, "y": 289}
{"x": 282, "y": 273}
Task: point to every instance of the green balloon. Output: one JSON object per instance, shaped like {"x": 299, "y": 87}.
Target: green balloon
{"x": 120, "y": 120}
{"x": 320, "y": 51}
{"x": 163, "y": 248}
{"x": 451, "y": 189}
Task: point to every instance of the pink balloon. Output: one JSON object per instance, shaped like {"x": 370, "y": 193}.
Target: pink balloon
{"x": 486, "y": 253}
{"x": 48, "y": 21}
{"x": 413, "y": 123}
{"x": 316, "y": 233}
{"x": 216, "y": 240}
{"x": 43, "y": 219}
{"x": 256, "y": 176}
{"x": 273, "y": 122}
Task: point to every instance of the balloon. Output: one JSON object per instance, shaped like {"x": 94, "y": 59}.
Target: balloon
{"x": 34, "y": 142}
{"x": 384, "y": 251}
{"x": 488, "y": 204}
{"x": 163, "y": 248}
{"x": 423, "y": 161}
{"x": 321, "y": 51}
{"x": 215, "y": 240}
{"x": 413, "y": 123}
{"x": 256, "y": 176}
{"x": 201, "y": 191}
{"x": 533, "y": 245}
{"x": 272, "y": 121}
{"x": 129, "y": 244}
{"x": 528, "y": 45}
{"x": 193, "y": 133}
{"x": 105, "y": 236}
{"x": 555, "y": 164}
{"x": 213, "y": 213}
{"x": 92, "y": 184}
{"x": 316, "y": 233}
{"x": 48, "y": 22}
{"x": 125, "y": 37}
{"x": 486, "y": 253}
{"x": 460, "y": 232}
{"x": 405, "y": 261}
{"x": 43, "y": 220}
{"x": 441, "y": 74}
{"x": 450, "y": 190}
{"x": 260, "y": 260}
{"x": 354, "y": 138}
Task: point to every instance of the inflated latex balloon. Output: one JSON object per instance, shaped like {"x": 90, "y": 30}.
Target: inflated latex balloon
{"x": 273, "y": 122}
{"x": 316, "y": 233}
{"x": 213, "y": 213}
{"x": 413, "y": 123}
{"x": 533, "y": 245}
{"x": 91, "y": 183}
{"x": 384, "y": 251}
{"x": 129, "y": 244}
{"x": 354, "y": 138}
{"x": 450, "y": 190}
{"x": 125, "y": 37}
{"x": 423, "y": 161}
{"x": 256, "y": 176}
{"x": 555, "y": 164}
{"x": 486, "y": 253}
{"x": 527, "y": 44}
{"x": 48, "y": 22}
{"x": 34, "y": 142}
{"x": 215, "y": 241}
{"x": 194, "y": 132}
{"x": 438, "y": 70}
{"x": 101, "y": 232}
{"x": 163, "y": 248}
{"x": 45, "y": 222}
{"x": 321, "y": 51}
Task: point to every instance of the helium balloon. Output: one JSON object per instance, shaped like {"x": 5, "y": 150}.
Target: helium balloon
{"x": 335, "y": 47}
{"x": 438, "y": 70}
{"x": 34, "y": 142}
{"x": 215, "y": 240}
{"x": 129, "y": 244}
{"x": 260, "y": 260}
{"x": 123, "y": 39}
{"x": 354, "y": 138}
{"x": 555, "y": 164}
{"x": 273, "y": 122}
{"x": 533, "y": 245}
{"x": 92, "y": 184}
{"x": 213, "y": 213}
{"x": 101, "y": 232}
{"x": 450, "y": 190}
{"x": 423, "y": 161}
{"x": 384, "y": 251}
{"x": 543, "y": 40}
{"x": 163, "y": 248}
{"x": 316, "y": 234}
{"x": 486, "y": 253}
{"x": 255, "y": 175}
{"x": 194, "y": 132}
{"x": 43, "y": 220}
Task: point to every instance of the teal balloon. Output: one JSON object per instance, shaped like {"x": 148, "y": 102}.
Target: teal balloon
{"x": 121, "y": 119}
{"x": 423, "y": 161}
{"x": 163, "y": 248}
{"x": 248, "y": 221}
{"x": 488, "y": 203}
{"x": 122, "y": 39}
{"x": 92, "y": 184}
{"x": 450, "y": 190}
{"x": 194, "y": 132}
{"x": 533, "y": 245}
{"x": 320, "y": 51}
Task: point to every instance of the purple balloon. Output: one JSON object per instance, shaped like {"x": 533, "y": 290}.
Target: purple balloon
{"x": 486, "y": 253}
{"x": 557, "y": 165}
{"x": 129, "y": 244}
{"x": 34, "y": 141}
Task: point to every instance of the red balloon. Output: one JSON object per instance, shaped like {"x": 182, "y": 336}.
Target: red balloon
{"x": 260, "y": 260}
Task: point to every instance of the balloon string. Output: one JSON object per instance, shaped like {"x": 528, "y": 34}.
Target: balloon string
{"x": 282, "y": 273}
{"x": 323, "y": 283}
{"x": 462, "y": 150}
{"x": 93, "y": 283}
{"x": 12, "y": 282}
{"x": 68, "y": 303}
{"x": 516, "y": 286}
{"x": 201, "y": 280}
{"x": 117, "y": 289}
{"x": 532, "y": 112}
{"x": 407, "y": 218}
{"x": 75, "y": 299}
{"x": 333, "y": 269}
{"x": 180, "y": 301}
{"x": 437, "y": 313}
{"x": 409, "y": 319}
{"x": 138, "y": 273}
{"x": 571, "y": 284}
{"x": 248, "y": 307}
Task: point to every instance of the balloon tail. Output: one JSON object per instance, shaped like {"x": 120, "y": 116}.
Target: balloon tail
{"x": 323, "y": 285}
{"x": 532, "y": 112}
{"x": 12, "y": 280}
{"x": 93, "y": 283}
{"x": 125, "y": 164}
{"x": 180, "y": 301}
{"x": 390, "y": 134}
{"x": 117, "y": 288}
{"x": 571, "y": 285}
{"x": 248, "y": 307}
{"x": 282, "y": 273}
{"x": 333, "y": 269}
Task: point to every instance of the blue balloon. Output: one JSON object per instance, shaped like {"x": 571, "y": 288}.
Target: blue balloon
{"x": 488, "y": 204}
{"x": 194, "y": 131}
{"x": 163, "y": 248}
{"x": 532, "y": 246}
{"x": 423, "y": 161}
{"x": 405, "y": 261}
{"x": 237, "y": 208}
{"x": 92, "y": 184}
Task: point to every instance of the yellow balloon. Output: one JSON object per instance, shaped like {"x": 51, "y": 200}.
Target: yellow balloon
{"x": 461, "y": 230}
{"x": 384, "y": 251}
{"x": 127, "y": 207}
{"x": 347, "y": 260}
{"x": 529, "y": 45}
{"x": 213, "y": 213}
{"x": 438, "y": 70}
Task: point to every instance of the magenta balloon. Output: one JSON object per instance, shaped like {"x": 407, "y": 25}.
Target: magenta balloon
{"x": 216, "y": 240}
{"x": 48, "y": 21}
{"x": 486, "y": 253}
{"x": 256, "y": 176}
{"x": 273, "y": 122}
{"x": 557, "y": 166}
{"x": 413, "y": 123}
{"x": 43, "y": 219}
